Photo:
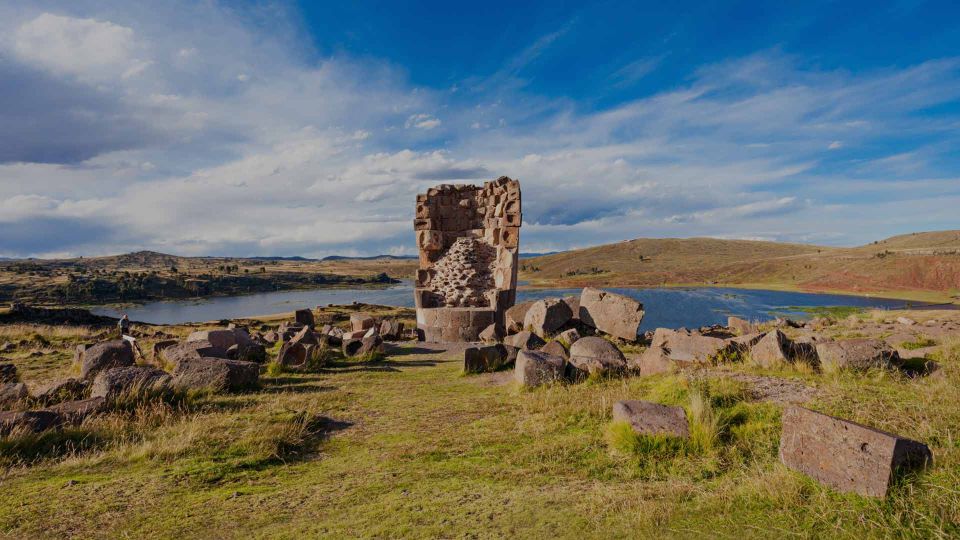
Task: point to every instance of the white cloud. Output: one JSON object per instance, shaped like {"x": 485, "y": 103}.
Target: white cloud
{"x": 422, "y": 121}
{"x": 835, "y": 145}
{"x": 86, "y": 48}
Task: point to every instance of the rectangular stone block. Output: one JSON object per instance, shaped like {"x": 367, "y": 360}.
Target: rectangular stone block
{"x": 510, "y": 237}
{"x": 648, "y": 418}
{"x": 421, "y": 224}
{"x": 484, "y": 359}
{"x": 844, "y": 455}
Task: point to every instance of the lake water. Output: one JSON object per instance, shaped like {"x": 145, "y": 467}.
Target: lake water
{"x": 670, "y": 307}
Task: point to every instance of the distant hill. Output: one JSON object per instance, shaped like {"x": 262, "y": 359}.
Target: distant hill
{"x": 370, "y": 258}
{"x": 920, "y": 265}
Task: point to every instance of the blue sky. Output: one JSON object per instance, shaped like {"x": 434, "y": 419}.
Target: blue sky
{"x": 277, "y": 128}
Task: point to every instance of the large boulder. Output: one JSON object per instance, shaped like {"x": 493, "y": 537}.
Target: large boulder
{"x": 845, "y": 455}
{"x": 60, "y": 391}
{"x": 159, "y": 347}
{"x": 534, "y": 368}
{"x": 647, "y": 418}
{"x": 484, "y": 359}
{"x": 253, "y": 352}
{"x": 216, "y": 374}
{"x": 106, "y": 355}
{"x": 855, "y": 354}
{"x": 222, "y": 339}
{"x": 573, "y": 302}
{"x": 593, "y": 355}
{"x": 515, "y": 315}
{"x": 615, "y": 314}
{"x": 131, "y": 382}
{"x": 654, "y": 360}
{"x": 304, "y": 317}
{"x": 361, "y": 321}
{"x": 524, "y": 340}
{"x": 12, "y": 394}
{"x": 547, "y": 316}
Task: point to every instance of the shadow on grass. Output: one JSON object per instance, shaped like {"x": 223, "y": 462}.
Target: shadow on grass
{"x": 297, "y": 389}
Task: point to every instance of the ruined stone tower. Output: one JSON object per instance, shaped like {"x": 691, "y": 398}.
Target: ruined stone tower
{"x": 468, "y": 238}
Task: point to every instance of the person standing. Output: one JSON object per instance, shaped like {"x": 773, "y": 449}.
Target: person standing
{"x": 124, "y": 325}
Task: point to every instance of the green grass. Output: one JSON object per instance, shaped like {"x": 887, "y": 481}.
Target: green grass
{"x": 833, "y": 312}
{"x": 423, "y": 452}
{"x": 919, "y": 343}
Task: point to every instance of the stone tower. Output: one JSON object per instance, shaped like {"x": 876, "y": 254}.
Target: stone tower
{"x": 468, "y": 238}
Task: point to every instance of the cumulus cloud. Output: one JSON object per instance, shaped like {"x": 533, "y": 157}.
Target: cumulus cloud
{"x": 220, "y": 138}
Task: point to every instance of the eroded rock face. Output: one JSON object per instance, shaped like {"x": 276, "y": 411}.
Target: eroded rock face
{"x": 855, "y": 354}
{"x": 547, "y": 316}
{"x": 647, "y": 418}
{"x": 217, "y": 374}
{"x": 614, "y": 314}
{"x": 596, "y": 356}
{"x": 845, "y": 455}
{"x": 464, "y": 274}
{"x": 535, "y": 368}
{"x": 772, "y": 350}
{"x": 106, "y": 355}
{"x": 133, "y": 382}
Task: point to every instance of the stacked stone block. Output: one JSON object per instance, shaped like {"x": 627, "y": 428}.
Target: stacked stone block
{"x": 468, "y": 239}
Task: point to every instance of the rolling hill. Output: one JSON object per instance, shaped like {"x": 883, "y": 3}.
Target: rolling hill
{"x": 920, "y": 266}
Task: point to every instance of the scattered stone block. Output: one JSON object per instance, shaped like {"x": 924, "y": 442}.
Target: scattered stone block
{"x": 222, "y": 339}
{"x": 133, "y": 382}
{"x": 687, "y": 348}
{"x": 740, "y": 326}
{"x": 525, "y": 341}
{"x": 844, "y": 455}
{"x": 569, "y": 336}
{"x": 906, "y": 321}
{"x": 492, "y": 334}
{"x": 106, "y": 355}
{"x": 593, "y": 355}
{"x": 292, "y": 355}
{"x": 485, "y": 359}
{"x": 515, "y": 315}
{"x": 391, "y": 329}
{"x": 361, "y": 322}
{"x": 615, "y": 314}
{"x": 76, "y": 411}
{"x": 174, "y": 354}
{"x": 556, "y": 348}
{"x": 60, "y": 391}
{"x": 654, "y": 360}
{"x": 217, "y": 374}
{"x": 547, "y": 316}
{"x": 304, "y": 317}
{"x": 535, "y": 368}
{"x": 362, "y": 346}
{"x": 855, "y": 354}
{"x": 773, "y": 349}
{"x": 12, "y": 393}
{"x": 8, "y": 373}
{"x": 647, "y": 418}
{"x": 13, "y": 423}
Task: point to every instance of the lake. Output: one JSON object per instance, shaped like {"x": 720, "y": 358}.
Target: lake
{"x": 689, "y": 307}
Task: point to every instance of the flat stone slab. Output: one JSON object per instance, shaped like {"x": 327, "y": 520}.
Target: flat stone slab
{"x": 534, "y": 368}
{"x": 648, "y": 418}
{"x": 844, "y": 455}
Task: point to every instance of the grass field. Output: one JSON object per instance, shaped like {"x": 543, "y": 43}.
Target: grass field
{"x": 409, "y": 447}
